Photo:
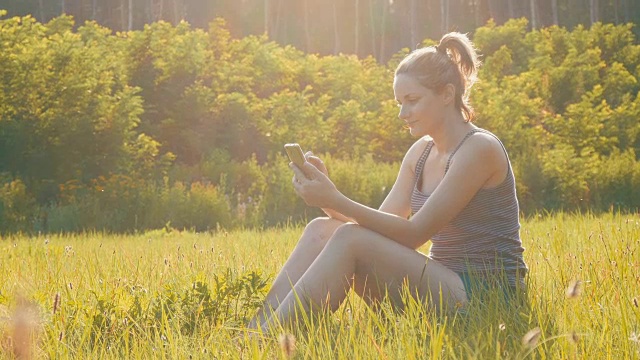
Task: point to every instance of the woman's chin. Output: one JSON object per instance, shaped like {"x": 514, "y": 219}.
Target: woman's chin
{"x": 416, "y": 132}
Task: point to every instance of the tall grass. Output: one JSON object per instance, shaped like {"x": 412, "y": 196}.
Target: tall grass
{"x": 171, "y": 294}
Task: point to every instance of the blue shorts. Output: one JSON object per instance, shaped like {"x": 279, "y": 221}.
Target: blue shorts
{"x": 478, "y": 287}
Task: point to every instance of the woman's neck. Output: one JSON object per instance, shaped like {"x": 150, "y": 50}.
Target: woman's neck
{"x": 453, "y": 130}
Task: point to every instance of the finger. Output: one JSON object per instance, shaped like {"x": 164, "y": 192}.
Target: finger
{"x": 296, "y": 184}
{"x": 311, "y": 171}
{"x": 315, "y": 161}
{"x": 314, "y": 158}
{"x": 310, "y": 156}
{"x": 298, "y": 173}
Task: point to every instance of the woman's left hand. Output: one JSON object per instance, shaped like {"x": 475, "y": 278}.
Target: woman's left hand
{"x": 314, "y": 187}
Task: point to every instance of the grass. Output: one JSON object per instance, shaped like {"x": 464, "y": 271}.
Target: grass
{"x": 183, "y": 295}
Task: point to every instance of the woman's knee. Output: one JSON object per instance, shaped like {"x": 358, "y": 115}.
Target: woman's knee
{"x": 348, "y": 235}
{"x": 321, "y": 229}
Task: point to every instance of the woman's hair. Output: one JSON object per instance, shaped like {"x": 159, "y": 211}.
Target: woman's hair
{"x": 453, "y": 61}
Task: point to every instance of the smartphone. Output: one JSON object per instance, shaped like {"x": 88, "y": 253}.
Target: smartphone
{"x": 295, "y": 154}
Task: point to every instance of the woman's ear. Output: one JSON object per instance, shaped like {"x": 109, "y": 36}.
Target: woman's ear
{"x": 448, "y": 94}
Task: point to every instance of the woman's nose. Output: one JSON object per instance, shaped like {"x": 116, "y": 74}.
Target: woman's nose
{"x": 404, "y": 113}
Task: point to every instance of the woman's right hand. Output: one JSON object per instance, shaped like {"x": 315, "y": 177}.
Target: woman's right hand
{"x": 317, "y": 162}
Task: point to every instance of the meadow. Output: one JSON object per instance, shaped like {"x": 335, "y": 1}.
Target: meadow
{"x": 187, "y": 295}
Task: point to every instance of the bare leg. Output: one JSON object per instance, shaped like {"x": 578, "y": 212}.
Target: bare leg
{"x": 355, "y": 252}
{"x": 314, "y": 238}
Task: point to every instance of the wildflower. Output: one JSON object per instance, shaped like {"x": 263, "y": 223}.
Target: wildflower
{"x": 502, "y": 327}
{"x": 573, "y": 291}
{"x": 530, "y": 339}
{"x": 287, "y": 344}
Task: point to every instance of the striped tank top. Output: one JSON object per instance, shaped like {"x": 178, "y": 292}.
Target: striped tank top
{"x": 484, "y": 238}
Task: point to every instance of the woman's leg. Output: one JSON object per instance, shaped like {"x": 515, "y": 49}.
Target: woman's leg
{"x": 314, "y": 238}
{"x": 355, "y": 253}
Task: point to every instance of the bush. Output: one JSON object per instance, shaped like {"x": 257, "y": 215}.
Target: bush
{"x": 17, "y": 207}
{"x": 177, "y": 126}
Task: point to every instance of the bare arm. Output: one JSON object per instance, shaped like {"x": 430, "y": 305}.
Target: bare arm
{"x": 398, "y": 201}
{"x": 465, "y": 177}
{"x": 399, "y": 198}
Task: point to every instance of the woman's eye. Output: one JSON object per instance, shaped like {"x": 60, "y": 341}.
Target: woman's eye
{"x": 408, "y": 101}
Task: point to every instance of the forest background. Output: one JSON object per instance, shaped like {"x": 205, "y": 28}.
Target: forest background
{"x": 137, "y": 119}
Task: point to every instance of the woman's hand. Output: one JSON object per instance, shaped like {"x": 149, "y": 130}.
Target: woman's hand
{"x": 313, "y": 186}
{"x": 317, "y": 162}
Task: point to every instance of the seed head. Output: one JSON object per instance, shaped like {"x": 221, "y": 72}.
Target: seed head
{"x": 573, "y": 337}
{"x": 287, "y": 344}
{"x": 574, "y": 289}
{"x": 635, "y": 302}
{"x": 530, "y": 339}
{"x": 56, "y": 303}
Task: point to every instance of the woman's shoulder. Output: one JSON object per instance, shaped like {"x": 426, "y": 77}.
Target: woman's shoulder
{"x": 486, "y": 148}
{"x": 415, "y": 152}
{"x": 484, "y": 141}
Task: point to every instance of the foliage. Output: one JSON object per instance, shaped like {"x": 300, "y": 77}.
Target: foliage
{"x": 182, "y": 126}
{"x": 16, "y": 207}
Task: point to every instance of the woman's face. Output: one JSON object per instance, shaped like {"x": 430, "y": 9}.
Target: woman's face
{"x": 420, "y": 108}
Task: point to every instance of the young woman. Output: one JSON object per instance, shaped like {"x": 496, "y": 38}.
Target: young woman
{"x": 455, "y": 187}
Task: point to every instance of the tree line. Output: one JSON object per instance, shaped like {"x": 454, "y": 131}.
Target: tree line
{"x": 175, "y": 126}
{"x": 378, "y": 28}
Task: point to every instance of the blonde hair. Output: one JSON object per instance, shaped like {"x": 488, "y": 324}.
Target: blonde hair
{"x": 453, "y": 61}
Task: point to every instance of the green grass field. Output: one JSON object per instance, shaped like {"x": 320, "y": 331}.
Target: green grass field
{"x": 169, "y": 294}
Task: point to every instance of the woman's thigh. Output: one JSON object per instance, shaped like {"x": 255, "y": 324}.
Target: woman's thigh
{"x": 384, "y": 267}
